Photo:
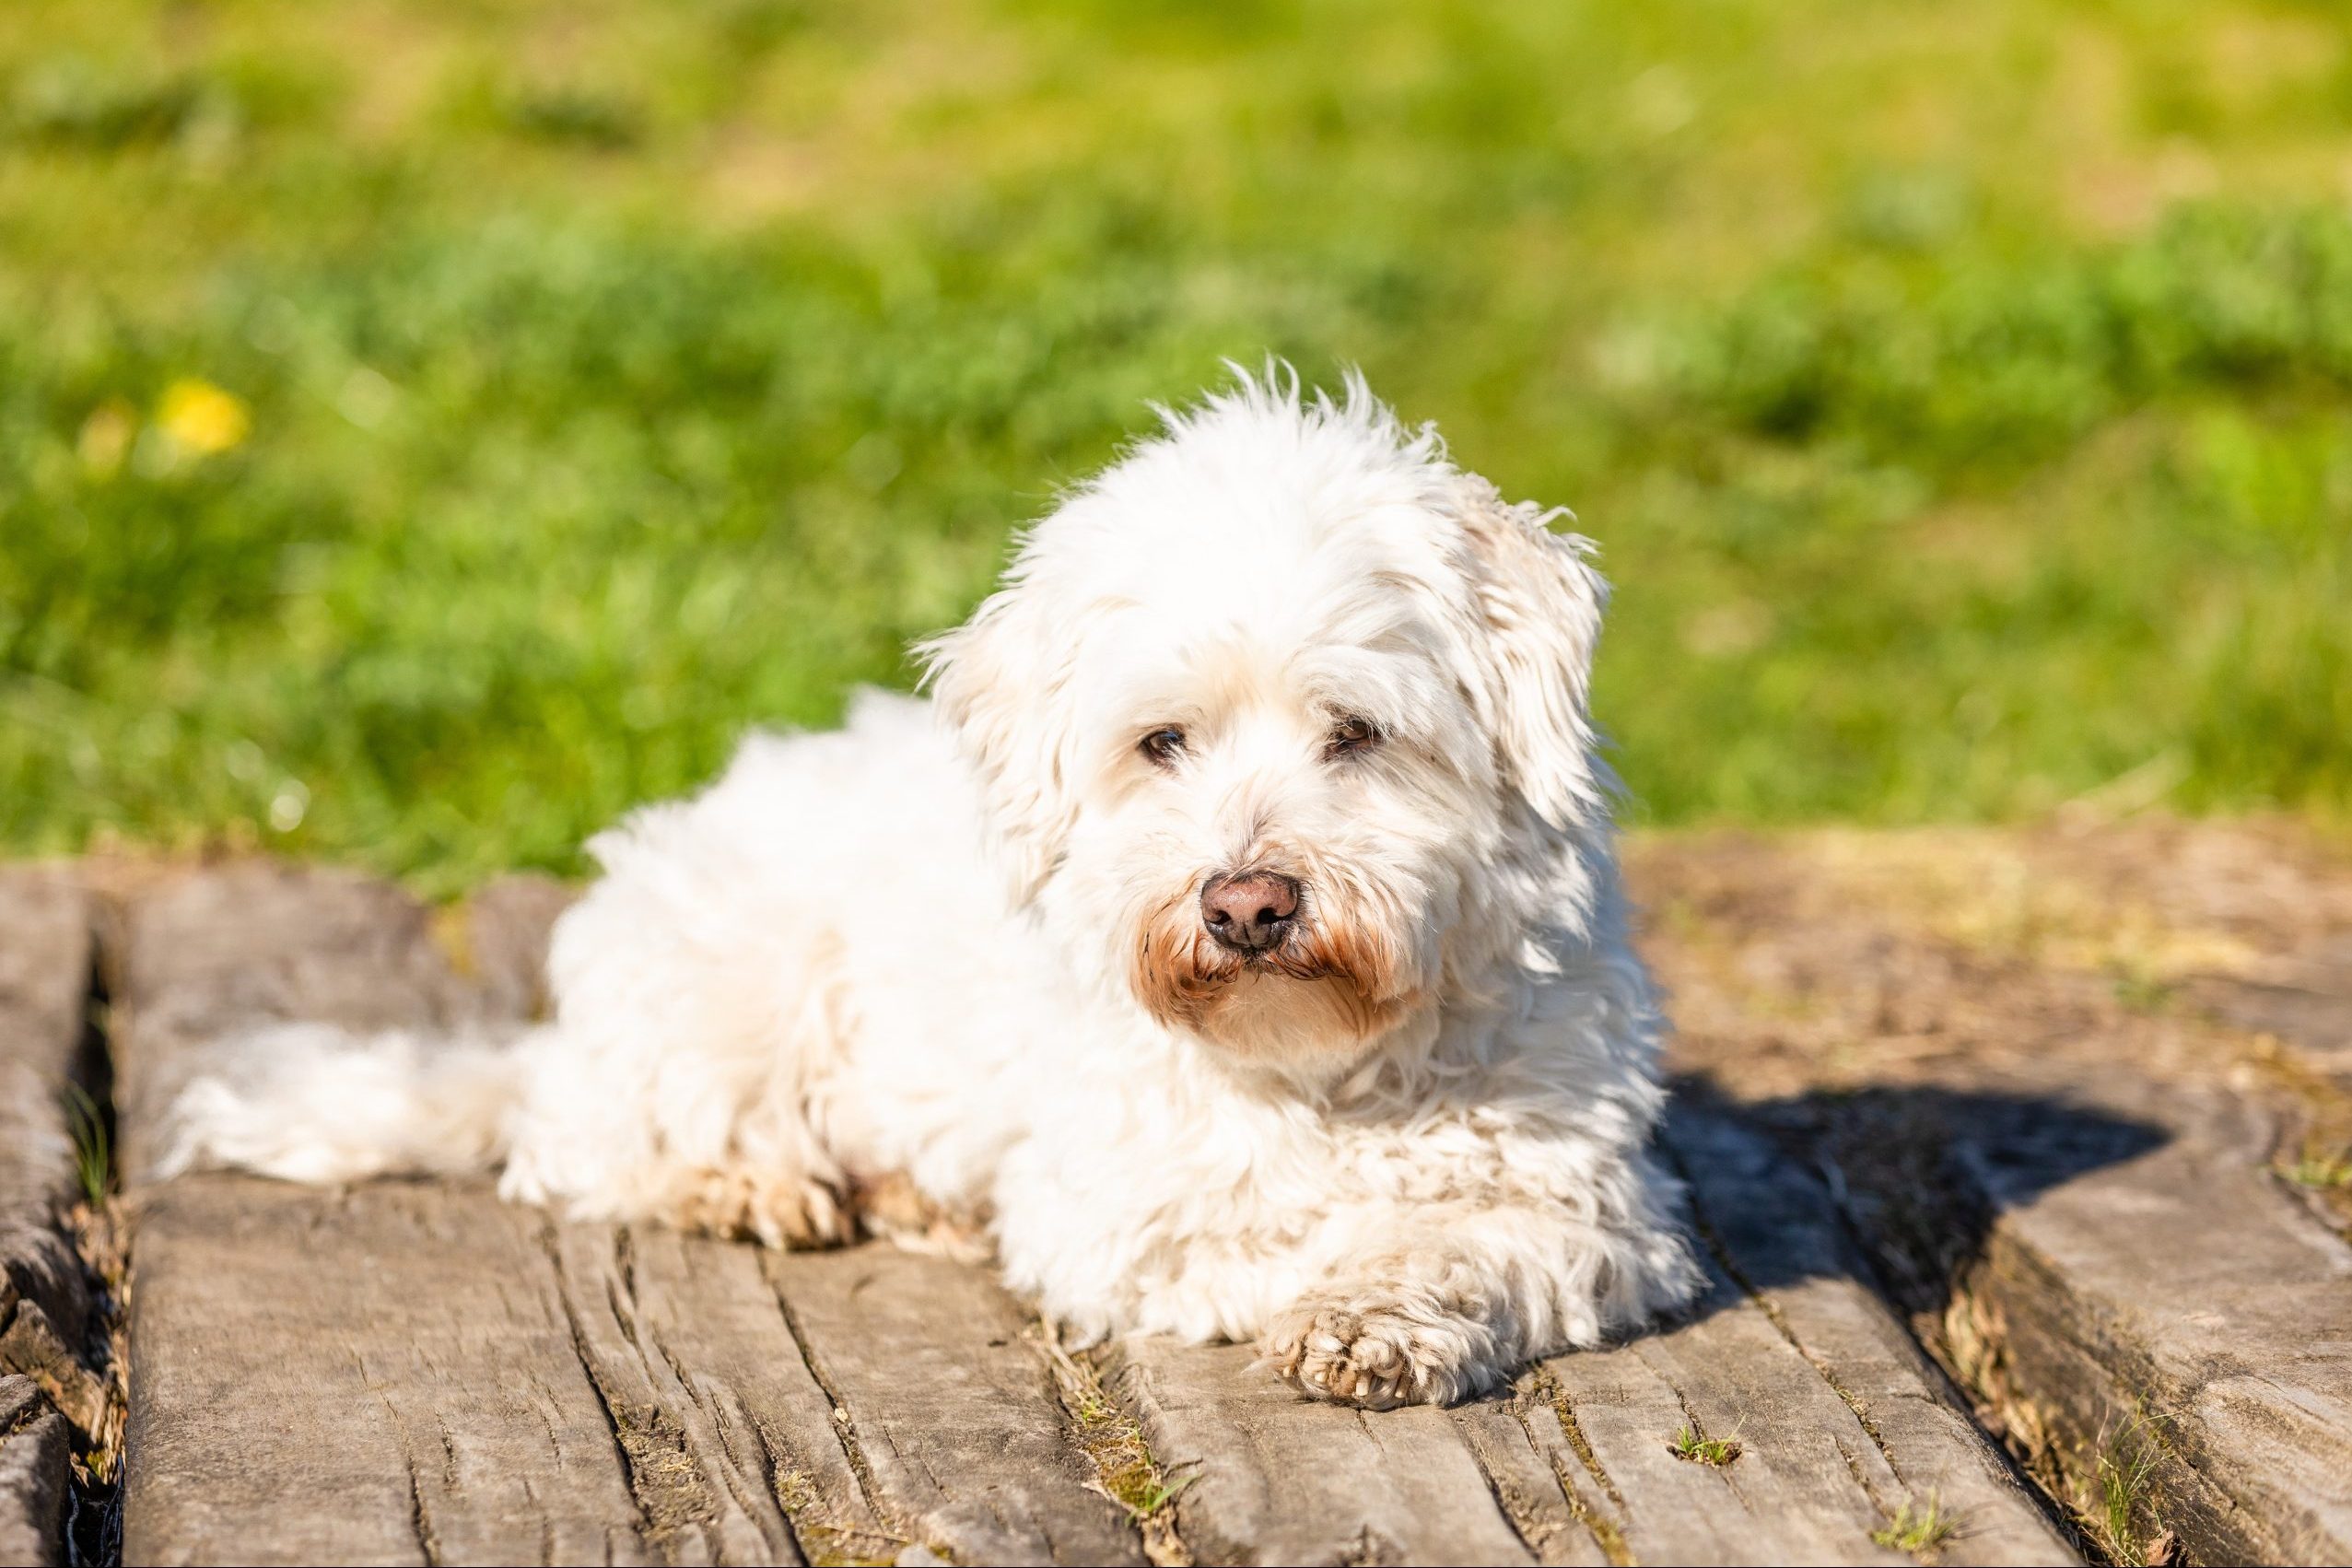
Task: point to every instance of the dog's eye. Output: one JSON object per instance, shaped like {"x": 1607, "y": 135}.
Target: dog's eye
{"x": 1162, "y": 746}
{"x": 1350, "y": 735}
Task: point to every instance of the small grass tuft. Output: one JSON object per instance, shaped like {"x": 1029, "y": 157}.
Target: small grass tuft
{"x": 1148, "y": 1501}
{"x": 2322, "y": 1173}
{"x": 93, "y": 1151}
{"x": 1700, "y": 1449}
{"x": 1921, "y": 1532}
{"x": 2127, "y": 1469}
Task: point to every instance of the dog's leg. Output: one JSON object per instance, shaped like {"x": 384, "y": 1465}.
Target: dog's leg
{"x": 1452, "y": 1301}
{"x": 688, "y": 1107}
{"x": 698, "y": 1019}
{"x": 646, "y": 1122}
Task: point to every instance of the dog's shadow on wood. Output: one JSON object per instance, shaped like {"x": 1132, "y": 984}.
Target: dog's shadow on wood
{"x": 1897, "y": 1187}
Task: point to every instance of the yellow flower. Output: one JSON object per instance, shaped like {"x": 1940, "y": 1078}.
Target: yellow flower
{"x": 202, "y": 418}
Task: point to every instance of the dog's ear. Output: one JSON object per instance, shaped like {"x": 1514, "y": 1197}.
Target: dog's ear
{"x": 1540, "y": 601}
{"x": 1003, "y": 683}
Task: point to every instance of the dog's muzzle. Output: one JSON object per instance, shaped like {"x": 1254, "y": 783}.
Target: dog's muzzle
{"x": 1250, "y": 913}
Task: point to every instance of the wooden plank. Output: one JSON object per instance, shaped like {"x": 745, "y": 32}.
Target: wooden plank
{"x": 1282, "y": 1478}
{"x": 383, "y": 1375}
{"x": 1577, "y": 1463}
{"x": 947, "y": 1404}
{"x": 1840, "y": 1420}
{"x": 1552, "y": 1509}
{"x": 44, "y": 978}
{"x": 2082, "y": 1170}
{"x": 254, "y": 943}
{"x": 685, "y": 1338}
{"x": 1777, "y": 1232}
{"x": 1805, "y": 1485}
{"x": 2176, "y": 1310}
{"x": 501, "y": 935}
{"x": 1808, "y": 1474}
{"x": 2309, "y": 1012}
{"x": 44, "y": 1301}
{"x": 1615, "y": 1418}
{"x": 34, "y": 1449}
{"x": 1610, "y": 1425}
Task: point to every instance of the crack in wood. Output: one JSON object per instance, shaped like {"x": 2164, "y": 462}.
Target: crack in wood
{"x": 1608, "y": 1534}
{"x": 658, "y": 1500}
{"x": 1605, "y": 1531}
{"x": 1721, "y": 1472}
{"x": 1508, "y": 1504}
{"x": 1566, "y": 1410}
{"x": 546, "y": 1525}
{"x": 729, "y": 1472}
{"x": 420, "y": 1516}
{"x": 771, "y": 1476}
{"x": 1109, "y": 1436}
{"x": 844, "y": 1427}
{"x": 419, "y": 1513}
{"x": 1853, "y": 1469}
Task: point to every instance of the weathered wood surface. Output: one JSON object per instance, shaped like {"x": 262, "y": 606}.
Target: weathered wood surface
{"x": 1840, "y": 1419}
{"x": 2180, "y": 1311}
{"x": 470, "y": 1381}
{"x": 2092, "y": 1122}
{"x": 386, "y": 1375}
{"x": 2309, "y": 1007}
{"x": 1995, "y": 1139}
{"x": 34, "y": 1449}
{"x": 44, "y": 977}
{"x": 44, "y": 1304}
{"x": 1879, "y": 1409}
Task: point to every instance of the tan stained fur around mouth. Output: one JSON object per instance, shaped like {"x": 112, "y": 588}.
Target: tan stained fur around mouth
{"x": 1182, "y": 977}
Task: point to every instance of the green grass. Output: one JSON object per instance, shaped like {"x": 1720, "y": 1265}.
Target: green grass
{"x": 1149, "y": 1500}
{"x": 2127, "y": 1457}
{"x": 1690, "y": 1444}
{"x": 1923, "y": 1531}
{"x": 2321, "y": 1172}
{"x": 427, "y": 429}
{"x": 85, "y": 1121}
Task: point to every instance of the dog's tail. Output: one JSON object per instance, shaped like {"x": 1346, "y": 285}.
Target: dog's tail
{"x": 312, "y": 1102}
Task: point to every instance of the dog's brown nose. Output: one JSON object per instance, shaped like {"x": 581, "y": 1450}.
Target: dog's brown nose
{"x": 1251, "y": 913}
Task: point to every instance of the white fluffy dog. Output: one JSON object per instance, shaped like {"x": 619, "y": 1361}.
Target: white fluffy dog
{"x": 1237, "y": 929}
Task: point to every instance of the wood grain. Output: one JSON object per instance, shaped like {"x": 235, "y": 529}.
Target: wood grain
{"x": 471, "y": 1381}
{"x": 2179, "y": 1310}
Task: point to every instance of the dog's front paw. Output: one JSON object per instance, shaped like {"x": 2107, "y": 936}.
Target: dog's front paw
{"x": 1379, "y": 1357}
{"x": 743, "y": 1204}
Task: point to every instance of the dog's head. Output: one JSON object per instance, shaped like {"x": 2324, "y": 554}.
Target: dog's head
{"x": 1281, "y": 723}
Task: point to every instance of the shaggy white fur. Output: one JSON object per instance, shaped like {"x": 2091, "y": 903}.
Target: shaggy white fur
{"x": 1395, "y": 1133}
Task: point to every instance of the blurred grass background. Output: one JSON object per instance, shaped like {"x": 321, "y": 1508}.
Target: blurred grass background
{"x": 428, "y": 428}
